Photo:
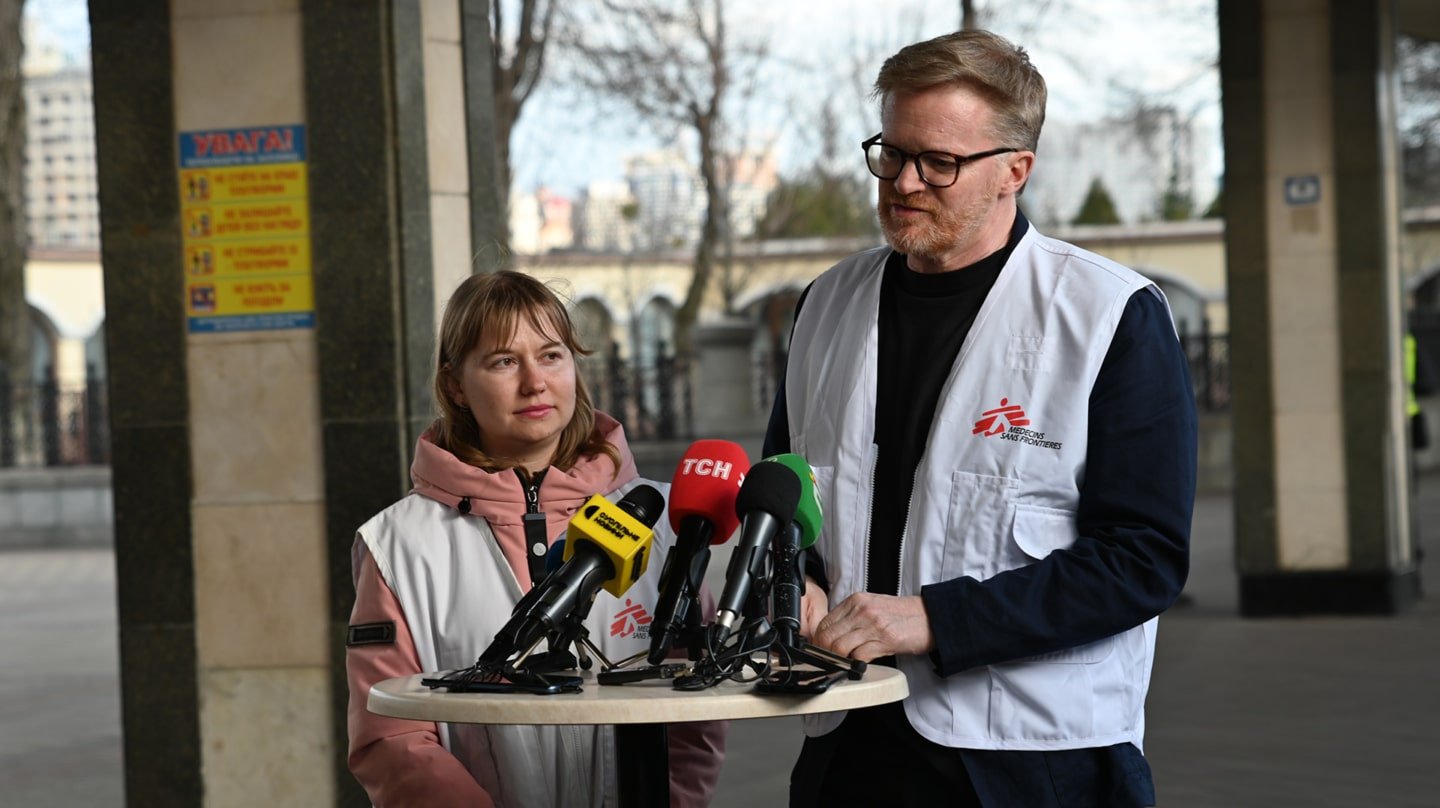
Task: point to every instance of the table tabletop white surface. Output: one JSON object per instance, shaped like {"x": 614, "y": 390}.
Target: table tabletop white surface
{"x": 649, "y": 702}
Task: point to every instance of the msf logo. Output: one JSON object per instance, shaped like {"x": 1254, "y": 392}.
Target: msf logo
{"x": 631, "y": 621}
{"x": 993, "y": 422}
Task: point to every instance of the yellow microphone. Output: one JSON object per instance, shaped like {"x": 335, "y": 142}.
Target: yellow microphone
{"x": 614, "y": 531}
{"x": 607, "y": 545}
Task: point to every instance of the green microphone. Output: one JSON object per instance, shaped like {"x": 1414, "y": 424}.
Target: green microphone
{"x": 786, "y": 549}
{"x": 809, "y": 514}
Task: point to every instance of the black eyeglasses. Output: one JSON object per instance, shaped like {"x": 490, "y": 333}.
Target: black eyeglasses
{"x": 936, "y": 169}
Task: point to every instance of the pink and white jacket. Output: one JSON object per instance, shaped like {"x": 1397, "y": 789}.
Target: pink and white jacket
{"x": 448, "y": 580}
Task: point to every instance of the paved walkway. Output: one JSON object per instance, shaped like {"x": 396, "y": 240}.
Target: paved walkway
{"x": 59, "y": 680}
{"x": 1314, "y": 712}
{"x": 1308, "y": 712}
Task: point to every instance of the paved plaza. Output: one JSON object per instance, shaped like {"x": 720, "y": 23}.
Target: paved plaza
{"x": 1306, "y": 712}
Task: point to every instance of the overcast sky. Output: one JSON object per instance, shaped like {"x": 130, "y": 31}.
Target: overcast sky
{"x": 1094, "y": 54}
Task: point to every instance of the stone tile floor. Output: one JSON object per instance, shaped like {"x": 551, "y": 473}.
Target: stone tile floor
{"x": 1312, "y": 712}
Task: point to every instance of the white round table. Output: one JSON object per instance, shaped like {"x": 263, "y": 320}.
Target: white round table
{"x": 642, "y": 708}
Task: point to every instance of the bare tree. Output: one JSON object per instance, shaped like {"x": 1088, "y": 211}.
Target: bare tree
{"x": 829, "y": 197}
{"x": 14, "y": 314}
{"x": 1419, "y": 67}
{"x": 519, "y": 61}
{"x": 673, "y": 64}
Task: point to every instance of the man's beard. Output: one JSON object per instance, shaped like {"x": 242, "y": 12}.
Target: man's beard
{"x": 941, "y": 232}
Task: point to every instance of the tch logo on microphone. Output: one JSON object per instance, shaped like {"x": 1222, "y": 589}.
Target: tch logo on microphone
{"x": 1009, "y": 422}
{"x": 631, "y": 621}
{"x": 705, "y": 467}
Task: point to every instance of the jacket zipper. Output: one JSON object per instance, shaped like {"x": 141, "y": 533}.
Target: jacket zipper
{"x": 870, "y": 520}
{"x": 904, "y": 530}
{"x": 904, "y": 527}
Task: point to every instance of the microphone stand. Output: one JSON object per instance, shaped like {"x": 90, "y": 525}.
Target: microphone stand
{"x": 494, "y": 666}
{"x": 801, "y": 651}
{"x": 730, "y": 659}
{"x": 786, "y": 557}
{"x": 691, "y": 636}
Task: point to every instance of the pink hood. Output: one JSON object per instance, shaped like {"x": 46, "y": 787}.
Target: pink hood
{"x": 499, "y": 498}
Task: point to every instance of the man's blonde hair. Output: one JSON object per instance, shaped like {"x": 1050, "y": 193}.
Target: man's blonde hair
{"x": 996, "y": 68}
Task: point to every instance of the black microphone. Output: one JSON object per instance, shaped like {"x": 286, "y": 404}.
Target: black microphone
{"x": 788, "y": 551}
{"x": 766, "y": 504}
{"x": 789, "y": 586}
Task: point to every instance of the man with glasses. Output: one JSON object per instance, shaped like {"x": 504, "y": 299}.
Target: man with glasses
{"x": 1003, "y": 433}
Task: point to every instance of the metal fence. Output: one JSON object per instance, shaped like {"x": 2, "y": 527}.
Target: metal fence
{"x": 44, "y": 423}
{"x": 653, "y": 400}
{"x": 1209, "y": 356}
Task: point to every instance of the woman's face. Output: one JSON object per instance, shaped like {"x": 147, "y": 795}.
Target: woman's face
{"x": 522, "y": 395}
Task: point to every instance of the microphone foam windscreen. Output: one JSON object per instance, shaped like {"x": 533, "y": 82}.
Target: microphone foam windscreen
{"x": 645, "y": 503}
{"x": 706, "y": 483}
{"x": 772, "y": 488}
{"x": 809, "y": 513}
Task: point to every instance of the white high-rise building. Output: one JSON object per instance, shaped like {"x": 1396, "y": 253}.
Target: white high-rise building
{"x": 670, "y": 200}
{"x": 603, "y": 220}
{"x": 752, "y": 176}
{"x": 1134, "y": 159}
{"x": 61, "y": 207}
{"x": 664, "y": 197}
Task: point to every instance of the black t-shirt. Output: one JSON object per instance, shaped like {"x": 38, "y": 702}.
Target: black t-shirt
{"x": 924, "y": 320}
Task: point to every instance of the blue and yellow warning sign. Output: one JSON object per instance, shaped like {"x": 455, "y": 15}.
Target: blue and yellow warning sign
{"x": 245, "y": 219}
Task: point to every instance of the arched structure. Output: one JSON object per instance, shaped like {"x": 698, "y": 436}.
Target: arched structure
{"x": 44, "y": 348}
{"x": 773, "y": 315}
{"x": 1188, "y": 301}
{"x": 595, "y": 327}
{"x": 95, "y": 353}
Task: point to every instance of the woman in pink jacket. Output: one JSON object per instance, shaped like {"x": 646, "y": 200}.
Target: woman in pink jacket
{"x": 438, "y": 573}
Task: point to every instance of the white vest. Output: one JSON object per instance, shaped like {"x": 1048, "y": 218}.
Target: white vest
{"x": 457, "y": 590}
{"x": 997, "y": 487}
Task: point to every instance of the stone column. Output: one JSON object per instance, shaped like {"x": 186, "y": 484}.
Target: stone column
{"x": 1321, "y": 503}
{"x": 244, "y": 461}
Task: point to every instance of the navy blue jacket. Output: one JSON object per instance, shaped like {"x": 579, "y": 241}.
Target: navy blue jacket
{"x": 1129, "y": 563}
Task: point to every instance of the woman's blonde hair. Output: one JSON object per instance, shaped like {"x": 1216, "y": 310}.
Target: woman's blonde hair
{"x": 490, "y": 306}
{"x": 987, "y": 63}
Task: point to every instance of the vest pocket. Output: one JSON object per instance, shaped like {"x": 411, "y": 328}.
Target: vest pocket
{"x": 981, "y": 507}
{"x": 1040, "y": 531}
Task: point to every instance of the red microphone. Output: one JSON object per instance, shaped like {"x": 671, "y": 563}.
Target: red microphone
{"x": 702, "y": 513}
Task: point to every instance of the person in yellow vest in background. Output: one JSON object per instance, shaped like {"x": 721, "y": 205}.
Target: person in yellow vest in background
{"x": 1419, "y": 380}
{"x": 1419, "y": 433}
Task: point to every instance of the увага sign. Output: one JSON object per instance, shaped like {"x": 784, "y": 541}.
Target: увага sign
{"x": 245, "y": 211}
